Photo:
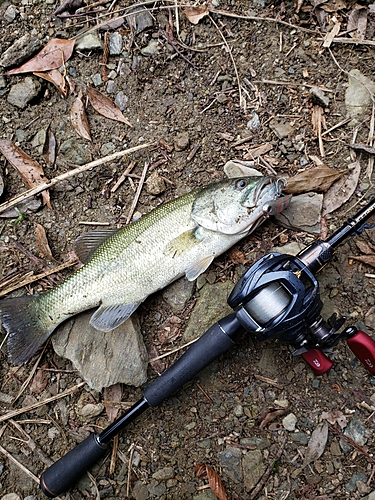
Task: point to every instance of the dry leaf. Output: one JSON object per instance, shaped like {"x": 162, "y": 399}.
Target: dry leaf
{"x": 39, "y": 381}
{"x": 357, "y": 22}
{"x": 268, "y": 415}
{"x": 158, "y": 364}
{"x": 204, "y": 471}
{"x": 42, "y": 242}
{"x": 365, "y": 247}
{"x": 112, "y": 397}
{"x": 366, "y": 259}
{"x": 79, "y": 119}
{"x": 52, "y": 56}
{"x": 342, "y": 190}
{"x": 49, "y": 148}
{"x": 29, "y": 169}
{"x": 237, "y": 257}
{"x": 105, "y": 106}
{"x": 363, "y": 147}
{"x": 317, "y": 443}
{"x": 335, "y": 416}
{"x": 56, "y": 78}
{"x": 195, "y": 14}
{"x": 315, "y": 179}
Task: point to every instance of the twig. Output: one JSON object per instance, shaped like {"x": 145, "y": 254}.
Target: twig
{"x": 19, "y": 411}
{"x": 340, "y": 124}
{"x": 269, "y": 470}
{"x": 138, "y": 193}
{"x": 67, "y": 175}
{"x": 123, "y": 176}
{"x": 31, "y": 444}
{"x": 242, "y": 101}
{"x": 37, "y": 277}
{"x": 268, "y": 381}
{"x": 27, "y": 381}
{"x": 16, "y": 462}
{"x": 131, "y": 449}
{"x": 169, "y": 353}
{"x": 112, "y": 464}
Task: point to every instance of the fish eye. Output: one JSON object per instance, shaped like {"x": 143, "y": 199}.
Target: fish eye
{"x": 241, "y": 183}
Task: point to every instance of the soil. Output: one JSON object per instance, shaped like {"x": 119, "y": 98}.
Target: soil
{"x": 184, "y": 99}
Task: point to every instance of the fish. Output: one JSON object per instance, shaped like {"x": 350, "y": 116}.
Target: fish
{"x": 123, "y": 267}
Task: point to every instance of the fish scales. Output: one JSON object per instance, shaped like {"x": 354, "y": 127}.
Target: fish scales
{"x": 178, "y": 238}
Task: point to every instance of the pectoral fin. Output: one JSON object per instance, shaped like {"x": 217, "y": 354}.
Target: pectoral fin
{"x": 198, "y": 268}
{"x": 87, "y": 243}
{"x": 183, "y": 243}
{"x": 107, "y": 318}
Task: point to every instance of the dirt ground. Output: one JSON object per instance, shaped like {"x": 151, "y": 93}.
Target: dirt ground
{"x": 182, "y": 95}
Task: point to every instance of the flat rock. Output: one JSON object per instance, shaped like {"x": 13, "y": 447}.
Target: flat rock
{"x": 139, "y": 19}
{"x": 303, "y": 213}
{"x": 230, "y": 461}
{"x": 210, "y": 307}
{"x": 73, "y": 151}
{"x": 281, "y": 127}
{"x": 89, "y": 41}
{"x": 357, "y": 95}
{"x": 20, "y": 51}
{"x": 103, "y": 359}
{"x": 24, "y": 92}
{"x": 253, "y": 468}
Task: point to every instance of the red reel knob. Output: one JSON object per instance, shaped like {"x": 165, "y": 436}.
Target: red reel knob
{"x": 363, "y": 346}
{"x": 318, "y": 361}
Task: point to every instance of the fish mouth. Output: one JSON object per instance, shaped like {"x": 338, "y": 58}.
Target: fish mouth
{"x": 268, "y": 189}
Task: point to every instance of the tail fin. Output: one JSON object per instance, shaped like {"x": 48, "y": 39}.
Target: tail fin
{"x": 25, "y": 326}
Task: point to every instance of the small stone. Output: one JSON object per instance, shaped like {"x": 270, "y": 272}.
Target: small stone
{"x": 20, "y": 51}
{"x": 178, "y": 294}
{"x": 230, "y": 460}
{"x": 121, "y": 100}
{"x": 318, "y": 97}
{"x": 110, "y": 88}
{"x": 281, "y": 127}
{"x": 303, "y": 213}
{"x": 289, "y": 422}
{"x": 152, "y": 48}
{"x": 75, "y": 152}
{"x": 89, "y": 41}
{"x": 164, "y": 474}
{"x": 107, "y": 148}
{"x": 253, "y": 468}
{"x": 11, "y": 496}
{"x": 91, "y": 410}
{"x": 116, "y": 43}
{"x": 238, "y": 410}
{"x": 182, "y": 142}
{"x": 155, "y": 184}
{"x": 97, "y": 79}
{"x": 254, "y": 122}
{"x": 22, "y": 93}
{"x": 10, "y": 14}
{"x": 140, "y": 491}
{"x": 139, "y": 19}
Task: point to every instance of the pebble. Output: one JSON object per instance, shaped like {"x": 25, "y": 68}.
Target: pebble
{"x": 110, "y": 88}
{"x": 11, "y": 496}
{"x": 10, "y": 14}
{"x": 182, "y": 142}
{"x": 151, "y": 49}
{"x": 107, "y": 148}
{"x": 253, "y": 468}
{"x": 164, "y": 474}
{"x": 318, "y": 97}
{"x": 281, "y": 127}
{"x": 121, "y": 100}
{"x": 289, "y": 422}
{"x": 116, "y": 43}
{"x": 75, "y": 152}
{"x": 230, "y": 461}
{"x": 140, "y": 491}
{"x": 91, "y": 410}
{"x": 24, "y": 92}
{"x": 139, "y": 19}
{"x": 254, "y": 122}
{"x": 21, "y": 50}
{"x": 89, "y": 41}
{"x": 178, "y": 294}
{"x": 155, "y": 184}
{"x": 97, "y": 79}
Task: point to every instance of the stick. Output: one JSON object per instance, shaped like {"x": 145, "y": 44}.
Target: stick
{"x": 138, "y": 193}
{"x": 14, "y": 413}
{"x": 22, "y": 467}
{"x": 38, "y": 189}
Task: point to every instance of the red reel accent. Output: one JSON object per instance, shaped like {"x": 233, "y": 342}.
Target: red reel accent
{"x": 363, "y": 346}
{"x": 318, "y": 361}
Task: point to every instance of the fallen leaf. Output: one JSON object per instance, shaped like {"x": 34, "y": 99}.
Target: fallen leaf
{"x": 52, "y": 56}
{"x": 269, "y": 415}
{"x": 365, "y": 247}
{"x": 366, "y": 259}
{"x": 68, "y": 5}
{"x": 363, "y": 147}
{"x": 56, "y": 78}
{"x": 237, "y": 257}
{"x": 105, "y": 106}
{"x": 254, "y": 153}
{"x": 317, "y": 443}
{"x": 112, "y": 397}
{"x": 79, "y": 119}
{"x": 42, "y": 242}
{"x": 49, "y": 148}
{"x": 318, "y": 179}
{"x": 29, "y": 169}
{"x": 39, "y": 381}
{"x": 195, "y": 14}
{"x": 342, "y": 190}
{"x": 335, "y": 416}
{"x": 157, "y": 364}
{"x": 357, "y": 22}
{"x": 204, "y": 471}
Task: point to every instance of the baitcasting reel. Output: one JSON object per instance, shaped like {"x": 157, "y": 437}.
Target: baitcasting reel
{"x": 278, "y": 297}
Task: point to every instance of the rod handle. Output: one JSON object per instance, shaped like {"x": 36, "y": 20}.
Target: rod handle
{"x": 65, "y": 472}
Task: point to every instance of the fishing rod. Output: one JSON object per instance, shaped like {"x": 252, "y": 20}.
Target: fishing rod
{"x": 277, "y": 297}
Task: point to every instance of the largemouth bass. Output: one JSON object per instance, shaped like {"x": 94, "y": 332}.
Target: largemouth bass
{"x": 122, "y": 268}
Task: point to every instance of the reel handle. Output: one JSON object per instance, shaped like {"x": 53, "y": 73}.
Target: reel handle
{"x": 317, "y": 360}
{"x": 363, "y": 346}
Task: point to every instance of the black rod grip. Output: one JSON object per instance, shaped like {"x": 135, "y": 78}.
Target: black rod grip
{"x": 65, "y": 472}
{"x": 214, "y": 342}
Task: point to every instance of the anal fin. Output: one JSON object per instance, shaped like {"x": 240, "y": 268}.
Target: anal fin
{"x": 107, "y": 318}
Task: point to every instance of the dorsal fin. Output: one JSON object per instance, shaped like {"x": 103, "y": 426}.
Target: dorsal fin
{"x": 87, "y": 243}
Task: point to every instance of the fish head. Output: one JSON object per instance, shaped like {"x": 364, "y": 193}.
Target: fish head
{"x": 238, "y": 205}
